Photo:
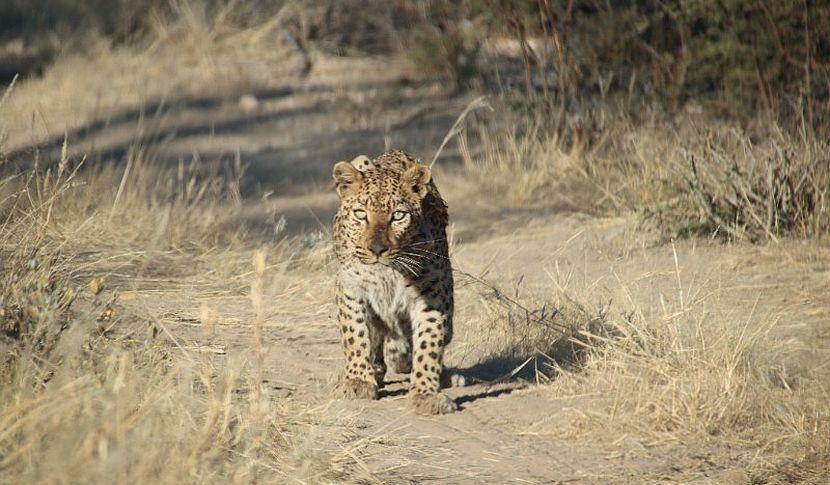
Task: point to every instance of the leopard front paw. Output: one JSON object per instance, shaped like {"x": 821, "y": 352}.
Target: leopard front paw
{"x": 351, "y": 388}
{"x": 433, "y": 403}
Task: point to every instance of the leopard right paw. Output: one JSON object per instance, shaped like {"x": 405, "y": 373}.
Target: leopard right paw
{"x": 351, "y": 388}
{"x": 433, "y": 403}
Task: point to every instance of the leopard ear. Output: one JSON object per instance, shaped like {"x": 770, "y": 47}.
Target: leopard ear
{"x": 362, "y": 163}
{"x": 416, "y": 179}
{"x": 347, "y": 179}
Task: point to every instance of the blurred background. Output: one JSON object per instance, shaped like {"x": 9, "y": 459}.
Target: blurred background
{"x": 732, "y": 57}
{"x": 286, "y": 88}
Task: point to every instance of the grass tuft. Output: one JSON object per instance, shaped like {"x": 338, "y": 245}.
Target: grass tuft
{"x": 692, "y": 371}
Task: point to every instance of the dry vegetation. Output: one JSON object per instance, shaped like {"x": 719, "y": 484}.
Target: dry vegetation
{"x": 692, "y": 370}
{"x": 96, "y": 390}
{"x": 685, "y": 178}
{"x": 676, "y": 367}
{"x": 88, "y": 379}
{"x": 190, "y": 55}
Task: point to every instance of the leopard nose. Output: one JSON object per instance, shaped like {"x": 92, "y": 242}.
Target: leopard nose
{"x": 377, "y": 247}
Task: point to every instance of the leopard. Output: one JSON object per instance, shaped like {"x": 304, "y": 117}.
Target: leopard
{"x": 394, "y": 279}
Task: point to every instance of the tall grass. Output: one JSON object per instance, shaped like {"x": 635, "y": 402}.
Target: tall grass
{"x": 693, "y": 371}
{"x": 685, "y": 176}
{"x": 678, "y": 367}
{"x": 525, "y": 162}
{"x": 722, "y": 181}
{"x": 87, "y": 392}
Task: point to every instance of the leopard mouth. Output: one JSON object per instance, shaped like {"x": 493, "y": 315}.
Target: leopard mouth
{"x": 370, "y": 259}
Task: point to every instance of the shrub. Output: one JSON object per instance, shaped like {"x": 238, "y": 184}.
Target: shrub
{"x": 446, "y": 42}
{"x": 724, "y": 184}
{"x": 734, "y": 57}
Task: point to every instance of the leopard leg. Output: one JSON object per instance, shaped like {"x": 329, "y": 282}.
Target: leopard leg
{"x": 399, "y": 353}
{"x": 378, "y": 335}
{"x": 429, "y": 334}
{"x": 360, "y": 379}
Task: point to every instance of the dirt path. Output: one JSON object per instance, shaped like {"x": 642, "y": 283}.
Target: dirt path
{"x": 287, "y": 135}
{"x": 491, "y": 438}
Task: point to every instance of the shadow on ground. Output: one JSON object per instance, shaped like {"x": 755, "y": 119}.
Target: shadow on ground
{"x": 287, "y": 145}
{"x": 502, "y": 374}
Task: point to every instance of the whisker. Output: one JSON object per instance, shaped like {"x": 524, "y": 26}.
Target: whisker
{"x": 430, "y": 241}
{"x": 408, "y": 259}
{"x": 414, "y": 264}
{"x": 415, "y": 258}
{"x": 425, "y": 251}
{"x": 407, "y": 267}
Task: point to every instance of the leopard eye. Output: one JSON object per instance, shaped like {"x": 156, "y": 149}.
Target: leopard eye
{"x": 398, "y": 215}
{"x": 360, "y": 214}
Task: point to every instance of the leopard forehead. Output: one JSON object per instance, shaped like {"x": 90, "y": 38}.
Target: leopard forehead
{"x": 381, "y": 191}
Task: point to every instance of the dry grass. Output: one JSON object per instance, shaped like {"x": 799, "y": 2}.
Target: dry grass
{"x": 86, "y": 393}
{"x": 716, "y": 180}
{"x": 89, "y": 390}
{"x": 128, "y": 420}
{"x": 663, "y": 353}
{"x": 698, "y": 370}
{"x": 683, "y": 179}
{"x": 89, "y": 393}
{"x": 515, "y": 326}
{"x": 522, "y": 162}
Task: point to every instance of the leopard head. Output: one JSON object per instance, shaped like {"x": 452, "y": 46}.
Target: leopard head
{"x": 387, "y": 213}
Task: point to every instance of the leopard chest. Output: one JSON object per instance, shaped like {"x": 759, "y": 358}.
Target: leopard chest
{"x": 385, "y": 290}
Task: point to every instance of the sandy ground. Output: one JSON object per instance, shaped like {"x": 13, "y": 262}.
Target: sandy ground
{"x": 502, "y": 433}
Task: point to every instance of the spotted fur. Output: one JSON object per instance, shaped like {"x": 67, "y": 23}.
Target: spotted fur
{"x": 394, "y": 279}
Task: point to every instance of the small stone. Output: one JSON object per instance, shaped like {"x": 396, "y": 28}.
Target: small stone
{"x": 457, "y": 380}
{"x": 248, "y": 103}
